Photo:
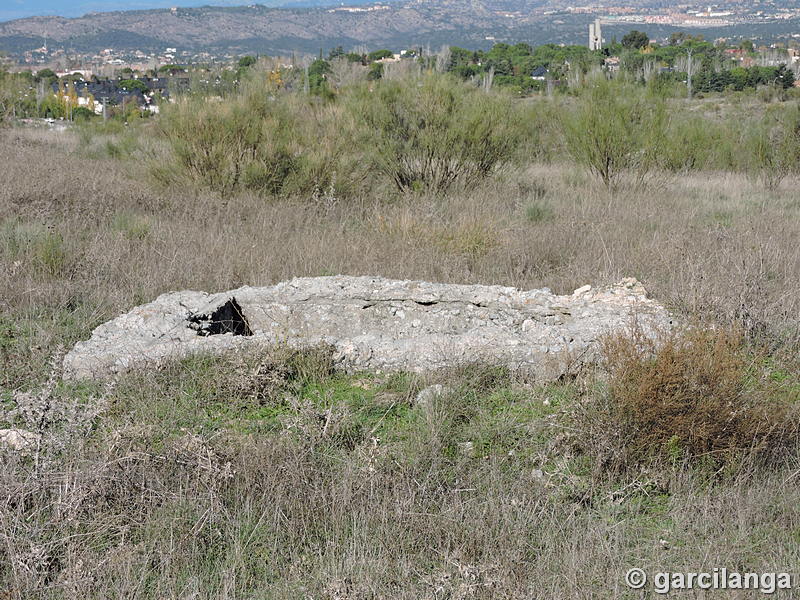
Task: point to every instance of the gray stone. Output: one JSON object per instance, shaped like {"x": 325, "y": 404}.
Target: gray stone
{"x": 428, "y": 395}
{"x": 374, "y": 324}
{"x": 467, "y": 449}
{"x": 18, "y": 440}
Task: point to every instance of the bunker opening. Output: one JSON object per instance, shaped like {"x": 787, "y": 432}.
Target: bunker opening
{"x": 227, "y": 318}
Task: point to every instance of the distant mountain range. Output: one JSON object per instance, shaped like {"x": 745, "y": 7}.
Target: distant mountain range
{"x": 264, "y": 29}
{"x": 18, "y": 9}
{"x": 259, "y": 28}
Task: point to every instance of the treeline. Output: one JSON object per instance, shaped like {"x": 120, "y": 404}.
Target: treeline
{"x": 687, "y": 64}
{"x": 527, "y": 70}
{"x": 44, "y": 94}
{"x": 11, "y": 88}
{"x": 741, "y": 78}
{"x": 712, "y": 69}
{"x": 514, "y": 66}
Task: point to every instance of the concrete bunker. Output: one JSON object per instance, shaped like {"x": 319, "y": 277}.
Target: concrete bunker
{"x": 226, "y": 318}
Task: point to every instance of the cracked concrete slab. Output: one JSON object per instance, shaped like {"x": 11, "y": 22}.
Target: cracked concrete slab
{"x": 374, "y": 323}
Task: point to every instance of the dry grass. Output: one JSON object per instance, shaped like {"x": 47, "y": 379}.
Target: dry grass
{"x": 326, "y": 487}
{"x": 217, "y": 480}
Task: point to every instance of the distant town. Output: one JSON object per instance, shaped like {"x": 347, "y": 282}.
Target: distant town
{"x": 684, "y": 15}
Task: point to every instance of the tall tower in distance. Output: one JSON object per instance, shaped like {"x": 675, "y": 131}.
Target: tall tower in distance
{"x": 595, "y": 36}
{"x": 598, "y": 35}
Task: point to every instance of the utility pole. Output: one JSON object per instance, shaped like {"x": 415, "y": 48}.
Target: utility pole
{"x": 105, "y": 112}
{"x": 689, "y": 66}
{"x": 40, "y": 93}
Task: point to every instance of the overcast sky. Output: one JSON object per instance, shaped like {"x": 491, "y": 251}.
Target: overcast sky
{"x": 16, "y": 9}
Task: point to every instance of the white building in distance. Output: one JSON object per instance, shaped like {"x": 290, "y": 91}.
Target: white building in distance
{"x": 595, "y": 36}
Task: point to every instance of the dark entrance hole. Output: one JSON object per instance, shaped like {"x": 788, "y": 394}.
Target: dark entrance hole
{"x": 227, "y": 318}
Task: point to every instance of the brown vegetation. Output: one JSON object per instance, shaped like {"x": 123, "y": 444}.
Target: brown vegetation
{"x": 698, "y": 396}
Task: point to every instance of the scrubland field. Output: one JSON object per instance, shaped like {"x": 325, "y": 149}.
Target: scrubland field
{"x": 274, "y": 476}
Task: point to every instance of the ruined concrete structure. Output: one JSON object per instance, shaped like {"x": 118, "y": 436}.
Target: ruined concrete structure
{"x": 373, "y": 324}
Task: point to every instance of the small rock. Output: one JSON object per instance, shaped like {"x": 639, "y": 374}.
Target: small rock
{"x": 18, "y": 440}
{"x": 427, "y": 396}
{"x": 467, "y": 448}
{"x": 582, "y": 290}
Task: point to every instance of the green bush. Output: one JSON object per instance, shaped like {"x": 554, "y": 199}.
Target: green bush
{"x": 271, "y": 145}
{"x": 131, "y": 226}
{"x": 694, "y": 144}
{"x": 222, "y": 146}
{"x": 772, "y": 147}
{"x": 538, "y": 212}
{"x": 436, "y": 132}
{"x": 614, "y": 129}
{"x": 40, "y": 245}
{"x": 375, "y": 71}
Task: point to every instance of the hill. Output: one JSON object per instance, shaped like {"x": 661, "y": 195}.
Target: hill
{"x": 259, "y": 28}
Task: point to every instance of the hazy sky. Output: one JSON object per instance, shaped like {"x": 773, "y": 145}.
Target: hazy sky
{"x": 15, "y": 9}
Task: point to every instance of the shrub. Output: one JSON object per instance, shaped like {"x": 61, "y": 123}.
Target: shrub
{"x": 614, "y": 129}
{"x": 695, "y": 143}
{"x": 50, "y": 253}
{"x": 226, "y": 146}
{"x": 43, "y": 246}
{"x": 271, "y": 145}
{"x": 772, "y": 147}
{"x": 267, "y": 376}
{"x": 113, "y": 138}
{"x": 81, "y": 113}
{"x": 471, "y": 239}
{"x": 538, "y": 212}
{"x": 437, "y": 132}
{"x": 131, "y": 226}
{"x": 692, "y": 396}
{"x": 375, "y": 71}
